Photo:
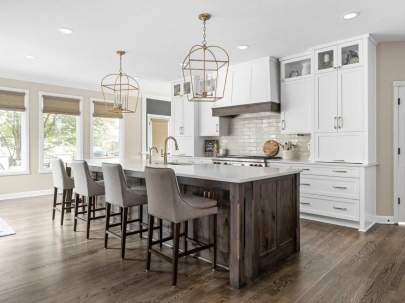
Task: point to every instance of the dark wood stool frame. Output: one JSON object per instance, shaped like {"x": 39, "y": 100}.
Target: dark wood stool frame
{"x": 124, "y": 224}
{"x": 66, "y": 205}
{"x": 175, "y": 236}
{"x": 91, "y": 212}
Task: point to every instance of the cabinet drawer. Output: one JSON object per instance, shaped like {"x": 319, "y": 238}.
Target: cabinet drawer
{"x": 338, "y": 171}
{"x": 335, "y": 187}
{"x": 348, "y": 210}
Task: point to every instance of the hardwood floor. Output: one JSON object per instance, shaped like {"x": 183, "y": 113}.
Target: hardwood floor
{"x": 45, "y": 262}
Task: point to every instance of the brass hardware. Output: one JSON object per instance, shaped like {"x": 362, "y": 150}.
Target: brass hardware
{"x": 202, "y": 66}
{"x": 340, "y": 171}
{"x": 339, "y": 187}
{"x": 150, "y": 153}
{"x": 305, "y": 184}
{"x": 123, "y": 87}
{"x": 176, "y": 146}
{"x": 305, "y": 203}
{"x": 335, "y": 122}
{"x": 340, "y": 123}
{"x": 340, "y": 208}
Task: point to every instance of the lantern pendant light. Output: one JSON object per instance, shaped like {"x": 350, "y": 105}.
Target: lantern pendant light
{"x": 206, "y": 68}
{"x": 123, "y": 88}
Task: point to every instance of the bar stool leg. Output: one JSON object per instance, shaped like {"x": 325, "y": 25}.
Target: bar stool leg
{"x": 107, "y": 223}
{"x": 62, "y": 215}
{"x": 185, "y": 236}
{"x": 150, "y": 238}
{"x": 77, "y": 197}
{"x": 69, "y": 200}
{"x": 124, "y": 231}
{"x": 175, "y": 252}
{"x": 89, "y": 200}
{"x": 140, "y": 209}
{"x": 55, "y": 197}
{"x": 160, "y": 232}
{"x": 214, "y": 261}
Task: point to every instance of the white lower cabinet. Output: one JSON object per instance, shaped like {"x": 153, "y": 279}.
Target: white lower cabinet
{"x": 334, "y": 193}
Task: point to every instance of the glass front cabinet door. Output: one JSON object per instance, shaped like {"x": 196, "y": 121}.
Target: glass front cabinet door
{"x": 326, "y": 59}
{"x": 350, "y": 54}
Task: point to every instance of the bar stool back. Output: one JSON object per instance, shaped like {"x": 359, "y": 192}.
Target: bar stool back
{"x": 61, "y": 181}
{"x": 89, "y": 190}
{"x": 118, "y": 193}
{"x": 165, "y": 201}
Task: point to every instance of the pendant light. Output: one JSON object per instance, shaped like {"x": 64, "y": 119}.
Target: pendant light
{"x": 123, "y": 87}
{"x": 206, "y": 68}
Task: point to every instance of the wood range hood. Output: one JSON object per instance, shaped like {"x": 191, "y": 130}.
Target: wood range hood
{"x": 236, "y": 110}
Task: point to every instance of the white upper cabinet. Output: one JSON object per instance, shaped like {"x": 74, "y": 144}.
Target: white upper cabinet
{"x": 208, "y": 125}
{"x": 350, "y": 54}
{"x": 297, "y": 94}
{"x": 227, "y": 93}
{"x": 326, "y": 102}
{"x": 326, "y": 59}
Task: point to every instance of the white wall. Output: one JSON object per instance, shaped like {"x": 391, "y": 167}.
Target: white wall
{"x": 35, "y": 181}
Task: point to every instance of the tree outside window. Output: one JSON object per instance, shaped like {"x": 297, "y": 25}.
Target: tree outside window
{"x": 10, "y": 140}
{"x": 105, "y": 137}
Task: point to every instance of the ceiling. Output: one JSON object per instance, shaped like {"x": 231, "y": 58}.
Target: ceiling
{"x": 158, "y": 33}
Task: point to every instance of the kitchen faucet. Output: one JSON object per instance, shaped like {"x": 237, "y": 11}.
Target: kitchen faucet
{"x": 150, "y": 153}
{"x": 165, "y": 152}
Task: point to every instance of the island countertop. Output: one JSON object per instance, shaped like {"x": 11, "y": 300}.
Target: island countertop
{"x": 223, "y": 173}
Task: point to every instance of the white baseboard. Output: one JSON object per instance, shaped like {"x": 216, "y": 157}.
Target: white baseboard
{"x": 26, "y": 194}
{"x": 384, "y": 219}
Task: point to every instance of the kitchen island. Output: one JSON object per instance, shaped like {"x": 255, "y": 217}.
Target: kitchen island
{"x": 258, "y": 215}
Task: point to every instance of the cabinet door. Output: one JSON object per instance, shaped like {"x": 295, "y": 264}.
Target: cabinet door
{"x": 189, "y": 118}
{"x": 326, "y": 59}
{"x": 208, "y": 125}
{"x": 351, "y": 105}
{"x": 338, "y": 147}
{"x": 178, "y": 103}
{"x": 260, "y": 81}
{"x": 241, "y": 83}
{"x": 350, "y": 54}
{"x": 296, "y": 106}
{"x": 326, "y": 101}
{"x": 228, "y": 79}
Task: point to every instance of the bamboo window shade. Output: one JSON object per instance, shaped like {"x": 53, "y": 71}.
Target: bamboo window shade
{"x": 13, "y": 101}
{"x": 61, "y": 105}
{"x": 105, "y": 110}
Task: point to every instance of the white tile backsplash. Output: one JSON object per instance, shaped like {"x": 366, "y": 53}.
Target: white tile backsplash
{"x": 249, "y": 132}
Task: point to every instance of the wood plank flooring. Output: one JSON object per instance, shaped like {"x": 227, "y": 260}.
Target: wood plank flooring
{"x": 44, "y": 262}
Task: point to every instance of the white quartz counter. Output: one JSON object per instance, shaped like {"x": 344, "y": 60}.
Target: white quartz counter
{"x": 224, "y": 173}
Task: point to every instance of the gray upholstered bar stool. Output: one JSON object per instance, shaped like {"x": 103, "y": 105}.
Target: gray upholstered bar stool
{"x": 61, "y": 181}
{"x": 165, "y": 201}
{"x": 89, "y": 189}
{"x": 118, "y": 193}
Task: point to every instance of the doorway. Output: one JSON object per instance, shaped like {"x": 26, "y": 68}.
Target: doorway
{"x": 158, "y": 130}
{"x": 399, "y": 151}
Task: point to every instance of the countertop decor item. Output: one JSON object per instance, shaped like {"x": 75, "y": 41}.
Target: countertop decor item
{"x": 207, "y": 66}
{"x": 289, "y": 150}
{"x": 123, "y": 87}
{"x": 271, "y": 148}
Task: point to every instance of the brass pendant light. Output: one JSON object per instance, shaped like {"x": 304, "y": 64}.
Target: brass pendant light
{"x": 123, "y": 87}
{"x": 206, "y": 68}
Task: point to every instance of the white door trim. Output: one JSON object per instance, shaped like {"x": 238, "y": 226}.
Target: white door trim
{"x": 396, "y": 86}
{"x": 162, "y": 117}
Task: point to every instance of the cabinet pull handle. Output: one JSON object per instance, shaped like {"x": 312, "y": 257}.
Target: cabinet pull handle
{"x": 340, "y": 171}
{"x": 305, "y": 203}
{"x": 340, "y": 208}
{"x": 305, "y": 184}
{"x": 340, "y": 187}
{"x": 283, "y": 124}
{"x": 306, "y": 169}
{"x": 340, "y": 124}
{"x": 335, "y": 122}
{"x": 338, "y": 160}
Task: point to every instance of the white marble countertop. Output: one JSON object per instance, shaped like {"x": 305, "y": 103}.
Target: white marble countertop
{"x": 232, "y": 174}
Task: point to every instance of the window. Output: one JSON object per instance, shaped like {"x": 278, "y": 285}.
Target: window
{"x": 13, "y": 131}
{"x": 105, "y": 131}
{"x": 60, "y": 129}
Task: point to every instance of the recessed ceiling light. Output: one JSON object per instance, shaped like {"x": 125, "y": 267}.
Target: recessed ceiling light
{"x": 65, "y": 31}
{"x": 351, "y": 15}
{"x": 29, "y": 57}
{"x": 243, "y": 47}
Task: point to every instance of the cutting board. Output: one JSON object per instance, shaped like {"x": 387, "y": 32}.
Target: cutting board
{"x": 271, "y": 148}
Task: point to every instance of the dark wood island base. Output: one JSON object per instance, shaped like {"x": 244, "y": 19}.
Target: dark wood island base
{"x": 258, "y": 223}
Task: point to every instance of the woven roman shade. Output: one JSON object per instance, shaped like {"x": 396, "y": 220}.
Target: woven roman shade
{"x": 12, "y": 101}
{"x": 105, "y": 110}
{"x": 61, "y": 105}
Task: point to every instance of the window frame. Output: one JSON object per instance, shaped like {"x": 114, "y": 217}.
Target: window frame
{"x": 25, "y": 135}
{"x": 121, "y": 130}
{"x": 79, "y": 129}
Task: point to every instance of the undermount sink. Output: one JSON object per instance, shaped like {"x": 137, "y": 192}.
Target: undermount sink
{"x": 179, "y": 163}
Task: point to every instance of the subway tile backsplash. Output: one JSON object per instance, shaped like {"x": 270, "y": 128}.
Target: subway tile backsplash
{"x": 249, "y": 132}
